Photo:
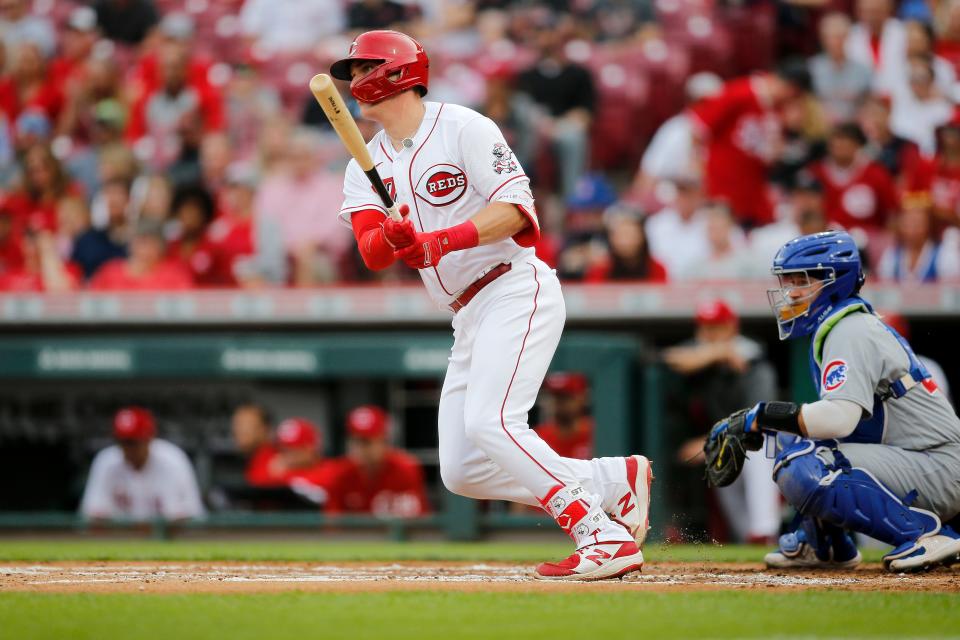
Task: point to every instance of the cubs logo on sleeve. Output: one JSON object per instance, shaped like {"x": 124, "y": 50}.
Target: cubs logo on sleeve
{"x": 834, "y": 375}
{"x": 442, "y": 184}
{"x": 503, "y": 159}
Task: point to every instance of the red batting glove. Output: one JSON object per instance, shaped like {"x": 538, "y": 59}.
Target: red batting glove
{"x": 428, "y": 248}
{"x": 399, "y": 234}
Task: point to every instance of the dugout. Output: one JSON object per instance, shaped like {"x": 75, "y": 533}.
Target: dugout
{"x": 67, "y": 360}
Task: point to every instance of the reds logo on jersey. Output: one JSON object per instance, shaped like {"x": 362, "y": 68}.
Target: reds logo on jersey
{"x": 834, "y": 375}
{"x": 442, "y": 184}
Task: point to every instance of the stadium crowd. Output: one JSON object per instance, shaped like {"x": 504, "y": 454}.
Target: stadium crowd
{"x": 171, "y": 144}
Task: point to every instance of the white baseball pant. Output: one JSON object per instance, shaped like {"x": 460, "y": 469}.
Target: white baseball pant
{"x": 504, "y": 340}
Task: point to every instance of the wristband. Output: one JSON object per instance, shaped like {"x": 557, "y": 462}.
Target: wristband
{"x": 462, "y": 236}
{"x": 780, "y": 416}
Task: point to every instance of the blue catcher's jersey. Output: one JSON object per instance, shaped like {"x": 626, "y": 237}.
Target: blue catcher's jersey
{"x": 855, "y": 356}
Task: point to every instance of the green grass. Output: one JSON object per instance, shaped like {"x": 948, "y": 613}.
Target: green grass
{"x": 428, "y": 615}
{"x": 334, "y": 550}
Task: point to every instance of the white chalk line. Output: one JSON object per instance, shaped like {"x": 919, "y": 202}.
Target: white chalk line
{"x": 481, "y": 573}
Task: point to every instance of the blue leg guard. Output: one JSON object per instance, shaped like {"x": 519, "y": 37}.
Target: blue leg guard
{"x": 849, "y": 497}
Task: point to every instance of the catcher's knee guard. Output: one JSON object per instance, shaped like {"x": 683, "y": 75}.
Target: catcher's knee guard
{"x": 848, "y": 497}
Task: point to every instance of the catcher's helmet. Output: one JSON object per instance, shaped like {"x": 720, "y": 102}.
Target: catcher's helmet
{"x": 830, "y": 263}
{"x": 403, "y": 65}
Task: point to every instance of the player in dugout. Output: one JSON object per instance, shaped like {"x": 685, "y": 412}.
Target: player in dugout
{"x": 141, "y": 477}
{"x": 294, "y": 460}
{"x": 374, "y": 477}
{"x": 878, "y": 453}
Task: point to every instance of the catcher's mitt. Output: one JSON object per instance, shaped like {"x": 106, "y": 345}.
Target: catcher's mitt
{"x": 726, "y": 447}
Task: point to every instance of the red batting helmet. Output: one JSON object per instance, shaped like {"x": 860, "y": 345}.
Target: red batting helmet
{"x": 368, "y": 422}
{"x": 133, "y": 423}
{"x": 404, "y": 65}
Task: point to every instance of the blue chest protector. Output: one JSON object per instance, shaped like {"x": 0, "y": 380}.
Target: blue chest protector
{"x": 868, "y": 430}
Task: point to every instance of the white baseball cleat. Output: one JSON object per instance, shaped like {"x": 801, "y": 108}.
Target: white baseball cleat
{"x": 927, "y": 552}
{"x": 806, "y": 558}
{"x": 599, "y": 561}
{"x": 633, "y": 509}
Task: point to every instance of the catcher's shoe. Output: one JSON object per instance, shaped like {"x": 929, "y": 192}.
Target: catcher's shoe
{"x": 928, "y": 551}
{"x": 633, "y": 509}
{"x": 796, "y": 553}
{"x": 598, "y": 561}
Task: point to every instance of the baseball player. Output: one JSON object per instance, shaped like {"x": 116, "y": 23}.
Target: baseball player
{"x": 374, "y": 477}
{"x": 141, "y": 477}
{"x": 470, "y": 227}
{"x": 879, "y": 453}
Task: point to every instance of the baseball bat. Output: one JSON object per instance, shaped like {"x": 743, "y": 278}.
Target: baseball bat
{"x": 343, "y": 123}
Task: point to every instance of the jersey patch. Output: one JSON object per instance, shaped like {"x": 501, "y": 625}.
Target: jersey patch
{"x": 391, "y": 188}
{"x": 442, "y": 184}
{"x": 834, "y": 375}
{"x": 503, "y": 159}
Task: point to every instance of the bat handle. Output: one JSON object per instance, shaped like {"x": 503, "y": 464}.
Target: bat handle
{"x": 394, "y": 213}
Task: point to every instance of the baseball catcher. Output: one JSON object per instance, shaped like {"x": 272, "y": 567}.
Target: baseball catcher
{"x": 878, "y": 454}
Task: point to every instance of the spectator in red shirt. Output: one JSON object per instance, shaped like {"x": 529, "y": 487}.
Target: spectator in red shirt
{"x": 175, "y": 33}
{"x": 170, "y": 120}
{"x": 192, "y": 212}
{"x": 629, "y": 255}
{"x": 41, "y": 269}
{"x": 252, "y": 436}
{"x": 899, "y": 156}
{"x": 941, "y": 177}
{"x": 45, "y": 184}
{"x": 76, "y": 45}
{"x": 145, "y": 269}
{"x": 374, "y": 477}
{"x": 858, "y": 192}
{"x": 296, "y": 459}
{"x": 570, "y": 433}
{"x": 29, "y": 85}
{"x": 740, "y": 130}
{"x": 249, "y": 252}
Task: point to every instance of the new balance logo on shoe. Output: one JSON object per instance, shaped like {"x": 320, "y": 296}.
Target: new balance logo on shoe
{"x": 626, "y": 505}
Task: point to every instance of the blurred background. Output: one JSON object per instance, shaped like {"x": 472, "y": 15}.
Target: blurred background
{"x": 189, "y": 341}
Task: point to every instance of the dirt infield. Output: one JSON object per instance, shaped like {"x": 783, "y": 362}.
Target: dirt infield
{"x": 230, "y": 577}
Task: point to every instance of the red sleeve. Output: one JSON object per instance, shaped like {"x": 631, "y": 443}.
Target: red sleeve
{"x": 376, "y": 252}
{"x": 334, "y": 503}
{"x": 137, "y": 127}
{"x": 211, "y": 106}
{"x": 716, "y": 114}
{"x": 598, "y": 272}
{"x": 656, "y": 272}
{"x": 528, "y": 236}
{"x": 918, "y": 175}
{"x": 416, "y": 486}
{"x": 258, "y": 469}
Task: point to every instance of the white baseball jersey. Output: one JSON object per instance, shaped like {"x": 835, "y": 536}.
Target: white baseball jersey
{"x": 459, "y": 162}
{"x": 166, "y": 486}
